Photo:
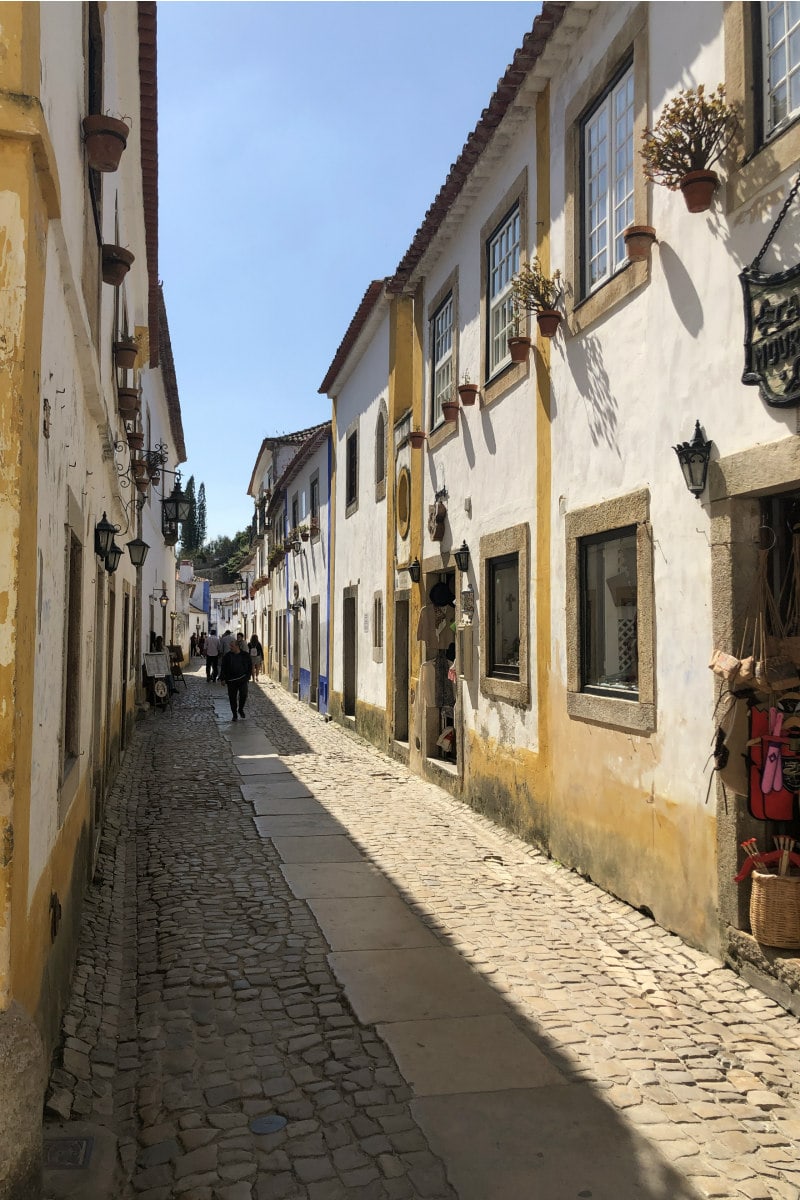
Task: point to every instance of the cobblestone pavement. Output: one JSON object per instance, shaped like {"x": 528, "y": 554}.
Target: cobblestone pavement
{"x": 204, "y": 1001}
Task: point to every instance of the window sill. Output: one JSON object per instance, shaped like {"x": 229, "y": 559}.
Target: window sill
{"x": 503, "y": 380}
{"x": 780, "y": 153}
{"x": 513, "y": 691}
{"x": 380, "y": 490}
{"x": 616, "y": 289}
{"x": 350, "y": 509}
{"x": 441, "y": 434}
{"x": 630, "y": 715}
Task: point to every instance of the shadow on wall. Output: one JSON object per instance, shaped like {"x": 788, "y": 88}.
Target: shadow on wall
{"x": 682, "y": 291}
{"x": 585, "y": 360}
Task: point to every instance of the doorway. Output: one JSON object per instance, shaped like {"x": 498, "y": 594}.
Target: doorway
{"x": 296, "y": 652}
{"x": 401, "y": 672}
{"x": 313, "y": 695}
{"x": 349, "y": 651}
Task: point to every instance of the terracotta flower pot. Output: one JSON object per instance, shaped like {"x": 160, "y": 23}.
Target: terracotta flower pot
{"x": 548, "y": 320}
{"x": 450, "y": 410}
{"x": 105, "y": 139}
{"x": 519, "y": 348}
{"x": 135, "y": 439}
{"x": 116, "y": 264}
{"x": 638, "y": 242}
{"x": 125, "y": 354}
{"x": 468, "y": 392}
{"x": 129, "y": 402}
{"x": 417, "y": 439}
{"x": 305, "y": 534}
{"x": 698, "y": 189}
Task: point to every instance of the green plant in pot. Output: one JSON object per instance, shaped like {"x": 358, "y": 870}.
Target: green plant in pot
{"x": 125, "y": 351}
{"x": 535, "y": 292}
{"x": 692, "y": 133}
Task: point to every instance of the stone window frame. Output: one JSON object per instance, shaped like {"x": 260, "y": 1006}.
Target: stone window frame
{"x": 514, "y": 540}
{"x": 630, "y": 43}
{"x": 312, "y": 515}
{"x": 378, "y": 636}
{"x": 633, "y": 509}
{"x": 762, "y": 157}
{"x": 443, "y": 430}
{"x": 352, "y": 430}
{"x": 508, "y": 376}
{"x": 381, "y": 444}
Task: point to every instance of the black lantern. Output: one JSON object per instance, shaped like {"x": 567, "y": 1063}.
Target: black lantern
{"x": 138, "y": 551}
{"x": 176, "y": 507}
{"x": 414, "y": 571}
{"x": 113, "y": 556}
{"x": 462, "y": 557}
{"x": 103, "y": 536}
{"x": 245, "y": 586}
{"x": 693, "y": 457}
{"x": 163, "y": 599}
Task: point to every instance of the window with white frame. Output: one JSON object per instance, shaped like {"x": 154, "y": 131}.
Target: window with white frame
{"x": 502, "y": 253}
{"x": 781, "y": 50}
{"x": 441, "y": 358}
{"x": 607, "y": 153}
{"x": 377, "y": 627}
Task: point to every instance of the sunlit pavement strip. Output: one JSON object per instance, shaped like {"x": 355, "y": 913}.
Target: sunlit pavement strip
{"x": 551, "y": 1042}
{"x": 671, "y": 1045}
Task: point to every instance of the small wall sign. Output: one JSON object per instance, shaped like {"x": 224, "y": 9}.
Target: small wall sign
{"x": 772, "y": 335}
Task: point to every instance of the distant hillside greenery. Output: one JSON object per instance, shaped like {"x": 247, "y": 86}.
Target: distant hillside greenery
{"x": 219, "y": 560}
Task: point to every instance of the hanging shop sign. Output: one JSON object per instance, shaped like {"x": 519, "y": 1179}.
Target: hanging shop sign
{"x": 772, "y": 325}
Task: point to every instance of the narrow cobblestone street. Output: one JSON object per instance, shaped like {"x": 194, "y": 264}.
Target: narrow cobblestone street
{"x": 305, "y": 973}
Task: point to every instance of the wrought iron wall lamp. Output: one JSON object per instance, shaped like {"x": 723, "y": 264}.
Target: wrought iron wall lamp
{"x": 694, "y": 458}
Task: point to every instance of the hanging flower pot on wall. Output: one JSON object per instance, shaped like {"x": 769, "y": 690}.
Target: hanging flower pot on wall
{"x": 548, "y": 320}
{"x": 698, "y": 189}
{"x": 128, "y": 402}
{"x": 116, "y": 264}
{"x": 468, "y": 392}
{"x": 105, "y": 139}
{"x": 450, "y": 410}
{"x": 416, "y": 438}
{"x": 135, "y": 438}
{"x": 125, "y": 351}
{"x": 519, "y": 348}
{"x": 638, "y": 242}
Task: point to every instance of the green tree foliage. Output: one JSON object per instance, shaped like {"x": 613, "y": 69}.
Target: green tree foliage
{"x": 189, "y": 540}
{"x": 201, "y": 515}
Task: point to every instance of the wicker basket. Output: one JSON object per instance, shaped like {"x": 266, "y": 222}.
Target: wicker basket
{"x": 775, "y": 910}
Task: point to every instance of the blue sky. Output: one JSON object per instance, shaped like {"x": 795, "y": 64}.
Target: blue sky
{"x": 300, "y": 145}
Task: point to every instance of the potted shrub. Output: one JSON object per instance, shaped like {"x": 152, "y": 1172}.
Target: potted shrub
{"x": 116, "y": 264}
{"x": 305, "y": 533}
{"x": 692, "y": 133}
{"x": 537, "y": 293}
{"x": 125, "y": 351}
{"x": 135, "y": 438}
{"x": 638, "y": 242}
{"x": 416, "y": 438}
{"x": 105, "y": 139}
{"x": 467, "y": 391}
{"x": 128, "y": 402}
{"x": 450, "y": 409}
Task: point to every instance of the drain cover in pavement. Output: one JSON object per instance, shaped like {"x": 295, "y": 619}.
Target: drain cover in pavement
{"x": 67, "y": 1153}
{"x": 269, "y": 1124}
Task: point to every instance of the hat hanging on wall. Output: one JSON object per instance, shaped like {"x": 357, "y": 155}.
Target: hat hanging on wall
{"x": 441, "y": 595}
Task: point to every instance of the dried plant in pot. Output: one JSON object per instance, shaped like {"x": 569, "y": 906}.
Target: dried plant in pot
{"x": 105, "y": 138}
{"x": 416, "y": 438}
{"x": 468, "y": 391}
{"x": 691, "y": 135}
{"x": 450, "y": 409}
{"x": 125, "y": 352}
{"x": 535, "y": 292}
{"x": 117, "y": 261}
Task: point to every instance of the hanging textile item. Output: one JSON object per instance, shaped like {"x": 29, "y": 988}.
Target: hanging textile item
{"x": 775, "y": 803}
{"x": 763, "y": 664}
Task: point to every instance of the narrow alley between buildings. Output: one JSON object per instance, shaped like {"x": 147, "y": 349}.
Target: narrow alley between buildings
{"x": 306, "y": 973}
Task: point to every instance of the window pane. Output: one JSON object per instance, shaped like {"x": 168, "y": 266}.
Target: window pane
{"x": 504, "y": 617}
{"x": 442, "y": 352}
{"x": 608, "y": 152}
{"x": 781, "y": 60}
{"x": 609, "y": 613}
{"x": 503, "y": 265}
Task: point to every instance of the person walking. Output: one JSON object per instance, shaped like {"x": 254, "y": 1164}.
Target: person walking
{"x": 256, "y": 655}
{"x": 212, "y": 657}
{"x": 225, "y": 642}
{"x": 193, "y": 645}
{"x": 235, "y": 672}
{"x": 201, "y": 645}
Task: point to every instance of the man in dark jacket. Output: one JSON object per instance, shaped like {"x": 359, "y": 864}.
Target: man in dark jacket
{"x": 235, "y": 672}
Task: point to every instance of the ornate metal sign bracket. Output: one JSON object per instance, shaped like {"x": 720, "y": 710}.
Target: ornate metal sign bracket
{"x": 772, "y": 324}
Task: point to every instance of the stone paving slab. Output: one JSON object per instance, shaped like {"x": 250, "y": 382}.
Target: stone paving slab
{"x": 285, "y": 806}
{"x": 336, "y": 879}
{"x": 545, "y": 1144}
{"x": 415, "y": 984}
{"x": 315, "y": 825}
{"x": 369, "y": 923}
{"x": 310, "y": 849}
{"x": 467, "y": 1054}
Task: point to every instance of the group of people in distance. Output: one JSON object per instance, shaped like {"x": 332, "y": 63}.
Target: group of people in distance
{"x": 233, "y": 661}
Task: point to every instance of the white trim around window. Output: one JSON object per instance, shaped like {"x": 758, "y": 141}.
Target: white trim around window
{"x": 608, "y": 166}
{"x": 503, "y": 257}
